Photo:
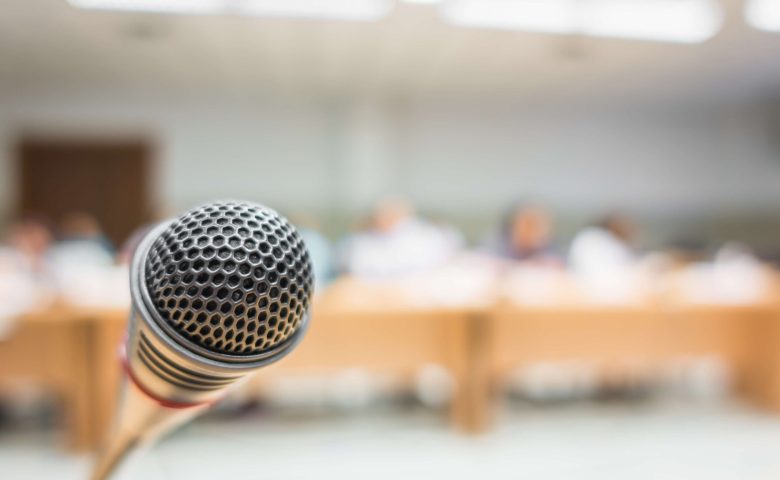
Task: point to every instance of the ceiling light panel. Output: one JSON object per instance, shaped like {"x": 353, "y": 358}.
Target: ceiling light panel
{"x": 686, "y": 21}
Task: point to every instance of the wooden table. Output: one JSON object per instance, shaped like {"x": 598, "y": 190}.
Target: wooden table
{"x": 73, "y": 351}
{"x": 725, "y": 332}
{"x": 599, "y": 334}
{"x": 358, "y": 326}
{"x": 51, "y": 348}
{"x": 646, "y": 338}
{"x": 353, "y": 325}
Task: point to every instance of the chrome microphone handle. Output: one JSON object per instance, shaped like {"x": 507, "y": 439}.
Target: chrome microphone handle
{"x": 141, "y": 420}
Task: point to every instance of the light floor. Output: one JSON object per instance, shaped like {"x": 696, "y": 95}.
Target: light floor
{"x": 604, "y": 442}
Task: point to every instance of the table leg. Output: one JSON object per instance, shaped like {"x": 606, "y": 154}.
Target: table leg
{"x": 472, "y": 407}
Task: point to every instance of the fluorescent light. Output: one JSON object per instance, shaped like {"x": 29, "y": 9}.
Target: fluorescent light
{"x": 330, "y": 9}
{"x": 423, "y": 2}
{"x": 335, "y": 9}
{"x": 687, "y": 21}
{"x": 763, "y": 14}
{"x": 535, "y": 15}
{"x": 158, "y": 6}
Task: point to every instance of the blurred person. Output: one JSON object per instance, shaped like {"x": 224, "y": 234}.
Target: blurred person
{"x": 81, "y": 243}
{"x": 680, "y": 253}
{"x": 320, "y": 249}
{"x": 397, "y": 242}
{"x": 28, "y": 241}
{"x": 125, "y": 254}
{"x": 530, "y": 270}
{"x": 605, "y": 246}
{"x": 82, "y": 264}
{"x": 605, "y": 266}
{"x": 734, "y": 276}
{"x": 82, "y": 227}
{"x": 23, "y": 267}
{"x": 526, "y": 235}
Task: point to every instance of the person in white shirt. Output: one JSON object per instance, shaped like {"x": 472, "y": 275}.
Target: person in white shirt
{"x": 398, "y": 242}
{"x": 82, "y": 264}
{"x": 604, "y": 247}
{"x": 24, "y": 282}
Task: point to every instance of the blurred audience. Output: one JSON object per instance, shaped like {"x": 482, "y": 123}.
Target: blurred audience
{"x": 320, "y": 250}
{"x": 397, "y": 241}
{"x": 27, "y": 244}
{"x": 81, "y": 244}
{"x": 125, "y": 254}
{"x": 82, "y": 228}
{"x": 734, "y": 276}
{"x": 526, "y": 235}
{"x": 82, "y": 264}
{"x": 22, "y": 269}
{"x": 603, "y": 266}
{"x": 604, "y": 247}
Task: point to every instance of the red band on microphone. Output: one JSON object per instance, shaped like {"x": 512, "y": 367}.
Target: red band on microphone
{"x": 162, "y": 401}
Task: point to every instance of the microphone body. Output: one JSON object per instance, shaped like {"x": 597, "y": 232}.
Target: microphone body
{"x": 216, "y": 294}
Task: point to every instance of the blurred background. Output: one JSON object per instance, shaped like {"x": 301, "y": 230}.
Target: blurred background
{"x": 545, "y": 232}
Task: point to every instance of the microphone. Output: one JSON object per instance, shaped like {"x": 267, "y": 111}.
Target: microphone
{"x": 217, "y": 293}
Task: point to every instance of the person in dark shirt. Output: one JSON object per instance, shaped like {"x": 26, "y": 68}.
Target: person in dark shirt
{"x": 526, "y": 235}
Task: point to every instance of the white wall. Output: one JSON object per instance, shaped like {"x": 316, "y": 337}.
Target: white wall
{"x": 457, "y": 160}
{"x": 648, "y": 160}
{"x": 203, "y": 151}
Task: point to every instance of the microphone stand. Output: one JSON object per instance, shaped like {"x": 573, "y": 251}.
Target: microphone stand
{"x": 141, "y": 420}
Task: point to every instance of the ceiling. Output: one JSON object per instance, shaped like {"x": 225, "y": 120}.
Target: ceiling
{"x": 48, "y": 46}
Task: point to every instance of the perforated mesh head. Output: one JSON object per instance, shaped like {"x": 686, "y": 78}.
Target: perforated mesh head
{"x": 232, "y": 277}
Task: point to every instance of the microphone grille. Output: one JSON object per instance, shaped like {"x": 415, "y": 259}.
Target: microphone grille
{"x": 232, "y": 277}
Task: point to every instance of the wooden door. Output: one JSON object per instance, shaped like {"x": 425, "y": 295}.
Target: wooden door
{"x": 107, "y": 179}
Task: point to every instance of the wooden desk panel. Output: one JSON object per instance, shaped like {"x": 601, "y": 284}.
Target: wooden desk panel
{"x": 375, "y": 340}
{"x": 724, "y": 332}
{"x": 760, "y": 379}
{"x": 51, "y": 348}
{"x": 602, "y": 335}
{"x": 74, "y": 351}
{"x": 400, "y": 341}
